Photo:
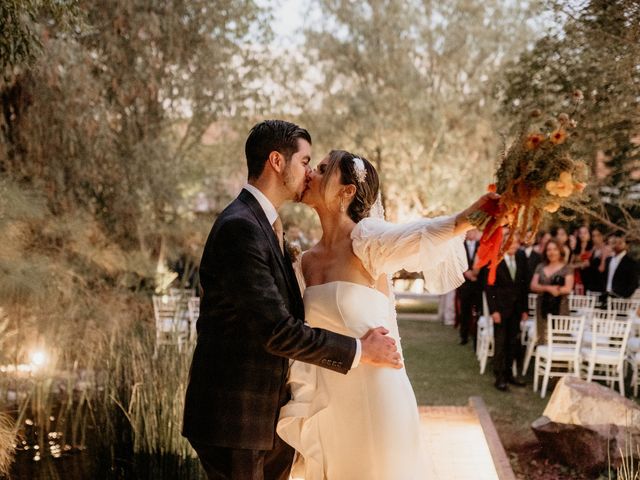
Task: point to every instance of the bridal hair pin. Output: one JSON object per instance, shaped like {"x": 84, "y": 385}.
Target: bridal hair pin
{"x": 361, "y": 171}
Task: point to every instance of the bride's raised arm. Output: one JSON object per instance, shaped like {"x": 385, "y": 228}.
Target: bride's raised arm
{"x": 433, "y": 246}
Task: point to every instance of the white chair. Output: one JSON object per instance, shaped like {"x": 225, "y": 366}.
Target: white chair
{"x": 528, "y": 332}
{"x": 624, "y": 306}
{"x": 484, "y": 336}
{"x": 603, "y": 358}
{"x": 581, "y": 304}
{"x": 526, "y": 326}
{"x": 193, "y": 307}
{"x": 633, "y": 361}
{"x": 182, "y": 292}
{"x": 564, "y": 334}
{"x": 484, "y": 343}
{"x": 171, "y": 319}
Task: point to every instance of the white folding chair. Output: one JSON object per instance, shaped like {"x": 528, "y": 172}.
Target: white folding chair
{"x": 525, "y": 327}
{"x": 564, "y": 335}
{"x": 581, "y": 304}
{"x": 484, "y": 336}
{"x": 182, "y": 292}
{"x": 172, "y": 323}
{"x": 624, "y": 306}
{"x": 633, "y": 361}
{"x": 603, "y": 358}
{"x": 193, "y": 308}
{"x": 528, "y": 332}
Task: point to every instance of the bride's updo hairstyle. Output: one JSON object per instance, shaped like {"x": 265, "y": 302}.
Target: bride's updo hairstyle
{"x": 360, "y": 173}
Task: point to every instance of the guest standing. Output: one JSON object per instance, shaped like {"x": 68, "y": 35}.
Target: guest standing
{"x": 470, "y": 292}
{"x": 581, "y": 255}
{"x": 592, "y": 277}
{"x": 507, "y": 301}
{"x": 621, "y": 271}
{"x": 553, "y": 282}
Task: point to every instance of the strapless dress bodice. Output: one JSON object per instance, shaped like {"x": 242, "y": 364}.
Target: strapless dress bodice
{"x": 346, "y": 307}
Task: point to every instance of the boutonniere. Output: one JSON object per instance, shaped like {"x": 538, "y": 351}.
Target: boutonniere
{"x": 294, "y": 250}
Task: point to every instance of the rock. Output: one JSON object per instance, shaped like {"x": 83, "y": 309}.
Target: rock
{"x": 588, "y": 426}
{"x": 579, "y": 402}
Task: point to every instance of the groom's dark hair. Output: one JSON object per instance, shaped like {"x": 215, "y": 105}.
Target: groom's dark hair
{"x": 271, "y": 136}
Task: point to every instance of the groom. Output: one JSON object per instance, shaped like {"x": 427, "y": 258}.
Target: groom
{"x": 252, "y": 320}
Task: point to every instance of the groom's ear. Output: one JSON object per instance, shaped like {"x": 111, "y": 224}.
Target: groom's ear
{"x": 276, "y": 160}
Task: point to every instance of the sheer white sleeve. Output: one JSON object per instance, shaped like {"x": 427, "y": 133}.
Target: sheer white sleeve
{"x": 427, "y": 245}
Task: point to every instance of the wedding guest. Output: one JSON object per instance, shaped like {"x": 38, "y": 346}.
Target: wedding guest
{"x": 533, "y": 257}
{"x": 562, "y": 237}
{"x": 507, "y": 301}
{"x": 469, "y": 294}
{"x": 592, "y": 278}
{"x": 553, "y": 282}
{"x": 582, "y": 252}
{"x": 542, "y": 238}
{"x": 620, "y": 270}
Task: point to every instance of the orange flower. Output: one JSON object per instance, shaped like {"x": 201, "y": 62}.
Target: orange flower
{"x": 533, "y": 141}
{"x": 552, "y": 207}
{"x": 558, "y": 136}
{"x": 579, "y": 186}
{"x": 492, "y": 188}
{"x": 563, "y": 187}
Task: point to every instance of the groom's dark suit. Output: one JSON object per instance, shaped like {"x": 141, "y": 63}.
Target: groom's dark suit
{"x": 250, "y": 324}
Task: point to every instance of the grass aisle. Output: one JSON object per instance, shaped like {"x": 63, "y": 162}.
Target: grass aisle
{"x": 445, "y": 373}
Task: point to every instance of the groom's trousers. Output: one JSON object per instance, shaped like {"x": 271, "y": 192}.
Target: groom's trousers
{"x": 222, "y": 463}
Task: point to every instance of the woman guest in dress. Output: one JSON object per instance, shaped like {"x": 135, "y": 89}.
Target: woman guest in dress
{"x": 553, "y": 282}
{"x": 581, "y": 259}
{"x": 561, "y": 236}
{"x": 593, "y": 278}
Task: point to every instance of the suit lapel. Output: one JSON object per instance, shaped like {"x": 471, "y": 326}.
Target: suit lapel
{"x": 257, "y": 210}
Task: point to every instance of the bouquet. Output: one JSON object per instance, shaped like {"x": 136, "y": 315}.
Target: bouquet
{"x": 536, "y": 175}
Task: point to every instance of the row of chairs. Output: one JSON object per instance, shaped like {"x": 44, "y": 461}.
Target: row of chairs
{"x": 596, "y": 354}
{"x": 581, "y": 306}
{"x": 175, "y": 314}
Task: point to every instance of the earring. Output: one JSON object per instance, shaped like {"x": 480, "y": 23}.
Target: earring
{"x": 342, "y": 209}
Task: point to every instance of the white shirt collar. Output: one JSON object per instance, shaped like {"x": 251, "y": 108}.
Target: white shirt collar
{"x": 269, "y": 210}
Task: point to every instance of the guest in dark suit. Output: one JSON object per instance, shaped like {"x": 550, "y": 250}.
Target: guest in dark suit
{"x": 533, "y": 259}
{"x": 507, "y": 301}
{"x": 592, "y": 277}
{"x": 469, "y": 294}
{"x": 620, "y": 270}
{"x": 252, "y": 320}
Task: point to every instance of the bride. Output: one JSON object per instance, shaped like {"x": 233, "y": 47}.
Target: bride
{"x": 364, "y": 424}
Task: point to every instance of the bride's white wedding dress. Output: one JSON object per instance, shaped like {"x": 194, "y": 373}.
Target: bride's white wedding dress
{"x": 365, "y": 425}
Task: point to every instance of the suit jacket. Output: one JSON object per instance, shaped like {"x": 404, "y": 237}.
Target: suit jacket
{"x": 509, "y": 297}
{"x": 533, "y": 260}
{"x": 625, "y": 278}
{"x": 250, "y": 325}
{"x": 470, "y": 287}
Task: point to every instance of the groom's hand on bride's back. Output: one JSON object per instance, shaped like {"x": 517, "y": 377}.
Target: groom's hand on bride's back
{"x": 379, "y": 350}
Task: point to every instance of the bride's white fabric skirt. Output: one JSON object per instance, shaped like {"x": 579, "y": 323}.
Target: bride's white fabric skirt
{"x": 363, "y": 425}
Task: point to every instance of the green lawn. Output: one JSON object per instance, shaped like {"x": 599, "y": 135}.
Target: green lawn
{"x": 445, "y": 373}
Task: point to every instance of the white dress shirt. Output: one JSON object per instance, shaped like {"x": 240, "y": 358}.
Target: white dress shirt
{"x": 613, "y": 266}
{"x": 272, "y": 214}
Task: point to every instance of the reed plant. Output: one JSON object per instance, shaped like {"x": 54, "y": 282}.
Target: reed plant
{"x": 7, "y": 443}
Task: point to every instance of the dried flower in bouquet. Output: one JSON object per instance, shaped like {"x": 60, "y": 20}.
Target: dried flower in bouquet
{"x": 537, "y": 175}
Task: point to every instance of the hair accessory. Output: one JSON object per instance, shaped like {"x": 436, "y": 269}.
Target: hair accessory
{"x": 361, "y": 171}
